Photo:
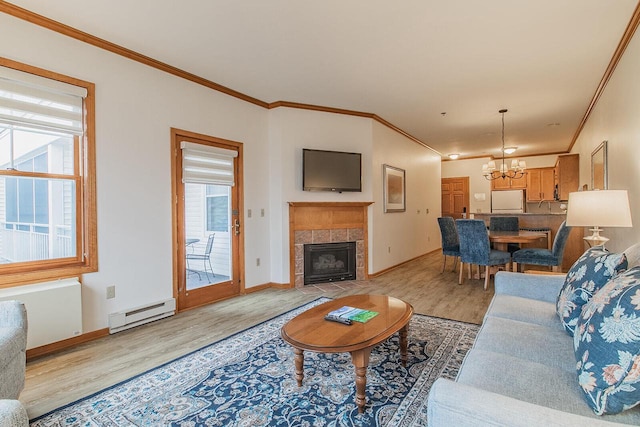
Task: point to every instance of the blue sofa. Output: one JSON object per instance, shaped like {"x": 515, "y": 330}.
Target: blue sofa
{"x": 521, "y": 370}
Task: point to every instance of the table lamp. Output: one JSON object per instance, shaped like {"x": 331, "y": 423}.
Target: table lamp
{"x": 599, "y": 208}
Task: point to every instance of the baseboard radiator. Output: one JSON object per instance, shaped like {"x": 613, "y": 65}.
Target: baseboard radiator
{"x": 54, "y": 309}
{"x": 140, "y": 315}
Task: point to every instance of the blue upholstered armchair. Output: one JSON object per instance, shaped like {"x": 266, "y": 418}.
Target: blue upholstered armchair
{"x": 475, "y": 249}
{"x": 450, "y": 242}
{"x": 551, "y": 258}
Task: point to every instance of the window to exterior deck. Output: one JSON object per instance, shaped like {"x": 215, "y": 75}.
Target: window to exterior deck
{"x": 47, "y": 185}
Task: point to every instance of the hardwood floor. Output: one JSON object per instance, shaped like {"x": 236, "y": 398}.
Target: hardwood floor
{"x": 55, "y": 380}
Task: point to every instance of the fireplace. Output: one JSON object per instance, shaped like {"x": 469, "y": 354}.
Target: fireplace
{"x": 328, "y": 262}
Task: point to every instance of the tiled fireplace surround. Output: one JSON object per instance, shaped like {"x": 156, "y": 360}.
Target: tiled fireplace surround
{"x": 327, "y": 222}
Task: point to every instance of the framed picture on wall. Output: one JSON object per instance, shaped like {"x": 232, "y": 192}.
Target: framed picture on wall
{"x": 599, "y": 180}
{"x": 394, "y": 189}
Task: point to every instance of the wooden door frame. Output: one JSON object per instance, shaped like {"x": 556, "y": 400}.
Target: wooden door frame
{"x": 178, "y": 250}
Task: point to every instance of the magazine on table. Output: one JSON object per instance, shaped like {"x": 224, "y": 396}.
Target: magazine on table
{"x": 348, "y": 314}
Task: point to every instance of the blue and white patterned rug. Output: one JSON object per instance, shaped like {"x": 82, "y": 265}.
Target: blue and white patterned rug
{"x": 248, "y": 380}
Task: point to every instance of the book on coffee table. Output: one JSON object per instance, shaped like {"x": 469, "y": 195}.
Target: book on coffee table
{"x": 352, "y": 314}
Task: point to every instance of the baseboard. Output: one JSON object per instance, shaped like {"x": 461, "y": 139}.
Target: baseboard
{"x": 267, "y": 286}
{"x": 45, "y": 350}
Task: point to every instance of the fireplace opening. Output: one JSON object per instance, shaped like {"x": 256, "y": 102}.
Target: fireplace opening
{"x": 328, "y": 262}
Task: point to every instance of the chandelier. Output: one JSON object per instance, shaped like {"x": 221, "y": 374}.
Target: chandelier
{"x": 517, "y": 169}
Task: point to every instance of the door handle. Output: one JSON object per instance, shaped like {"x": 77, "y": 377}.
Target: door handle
{"x": 236, "y": 226}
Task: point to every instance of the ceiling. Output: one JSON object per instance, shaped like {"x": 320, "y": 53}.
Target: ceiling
{"x": 438, "y": 70}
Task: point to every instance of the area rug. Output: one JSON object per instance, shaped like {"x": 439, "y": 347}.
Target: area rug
{"x": 248, "y": 380}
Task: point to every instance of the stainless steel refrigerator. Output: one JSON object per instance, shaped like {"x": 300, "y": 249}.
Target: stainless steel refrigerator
{"x": 507, "y": 201}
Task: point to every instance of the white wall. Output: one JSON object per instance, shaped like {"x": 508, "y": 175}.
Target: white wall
{"x": 400, "y": 236}
{"x": 135, "y": 107}
{"x": 615, "y": 119}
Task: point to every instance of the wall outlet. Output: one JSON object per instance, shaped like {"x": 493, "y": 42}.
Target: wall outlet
{"x": 257, "y": 262}
{"x": 248, "y": 213}
{"x": 111, "y": 292}
{"x": 262, "y": 212}
{"x": 427, "y": 210}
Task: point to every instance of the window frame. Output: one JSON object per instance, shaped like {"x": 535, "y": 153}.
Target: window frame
{"x": 86, "y": 260}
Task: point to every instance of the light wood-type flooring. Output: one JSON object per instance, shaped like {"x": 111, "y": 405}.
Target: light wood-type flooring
{"x": 64, "y": 377}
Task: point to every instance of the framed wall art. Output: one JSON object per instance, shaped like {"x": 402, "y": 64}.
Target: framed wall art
{"x": 394, "y": 189}
{"x": 599, "y": 180}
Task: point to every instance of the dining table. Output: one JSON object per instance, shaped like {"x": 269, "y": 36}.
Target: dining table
{"x": 501, "y": 239}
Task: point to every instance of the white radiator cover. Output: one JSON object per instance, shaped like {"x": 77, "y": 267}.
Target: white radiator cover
{"x": 140, "y": 315}
{"x": 54, "y": 310}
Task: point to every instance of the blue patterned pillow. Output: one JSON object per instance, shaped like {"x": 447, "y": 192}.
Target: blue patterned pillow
{"x": 585, "y": 277}
{"x": 607, "y": 345}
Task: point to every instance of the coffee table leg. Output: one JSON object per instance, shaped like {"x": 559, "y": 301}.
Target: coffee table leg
{"x": 360, "y": 360}
{"x": 299, "y": 361}
{"x": 403, "y": 345}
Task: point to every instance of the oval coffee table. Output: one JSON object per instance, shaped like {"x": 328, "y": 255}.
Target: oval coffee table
{"x": 310, "y": 331}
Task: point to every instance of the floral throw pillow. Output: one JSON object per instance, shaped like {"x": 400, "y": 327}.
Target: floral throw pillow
{"x": 607, "y": 345}
{"x": 587, "y": 275}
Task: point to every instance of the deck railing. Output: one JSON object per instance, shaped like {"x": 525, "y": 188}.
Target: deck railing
{"x": 21, "y": 242}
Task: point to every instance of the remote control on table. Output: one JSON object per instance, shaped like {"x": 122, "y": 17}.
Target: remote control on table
{"x": 338, "y": 320}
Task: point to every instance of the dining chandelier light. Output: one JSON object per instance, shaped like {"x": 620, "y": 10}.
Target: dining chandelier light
{"x": 517, "y": 169}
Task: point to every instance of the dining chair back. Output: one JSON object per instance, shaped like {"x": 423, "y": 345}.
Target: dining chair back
{"x": 475, "y": 248}
{"x": 450, "y": 242}
{"x": 506, "y": 223}
{"x": 537, "y": 256}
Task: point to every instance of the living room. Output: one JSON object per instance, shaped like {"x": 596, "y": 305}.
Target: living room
{"x": 137, "y": 105}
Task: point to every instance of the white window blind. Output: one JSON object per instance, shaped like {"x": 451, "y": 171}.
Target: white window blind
{"x": 203, "y": 164}
{"x": 34, "y": 101}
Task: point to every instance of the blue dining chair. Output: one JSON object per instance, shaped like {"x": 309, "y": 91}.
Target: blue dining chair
{"x": 475, "y": 248}
{"x": 537, "y": 256}
{"x": 450, "y": 242}
{"x": 506, "y": 223}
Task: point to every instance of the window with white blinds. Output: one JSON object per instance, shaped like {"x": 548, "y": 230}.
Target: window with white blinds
{"x": 38, "y": 102}
{"x": 204, "y": 164}
{"x": 47, "y": 186}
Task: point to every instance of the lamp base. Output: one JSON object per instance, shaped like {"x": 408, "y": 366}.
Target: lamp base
{"x": 596, "y": 239}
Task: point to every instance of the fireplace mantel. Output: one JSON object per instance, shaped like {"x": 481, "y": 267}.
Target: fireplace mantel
{"x": 326, "y": 222}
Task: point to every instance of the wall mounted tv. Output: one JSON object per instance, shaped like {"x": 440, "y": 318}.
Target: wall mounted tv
{"x": 331, "y": 171}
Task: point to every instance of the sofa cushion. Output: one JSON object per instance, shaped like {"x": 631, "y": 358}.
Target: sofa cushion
{"x": 587, "y": 275}
{"x": 531, "y": 382}
{"x": 525, "y": 310}
{"x": 549, "y": 347}
{"x": 607, "y": 345}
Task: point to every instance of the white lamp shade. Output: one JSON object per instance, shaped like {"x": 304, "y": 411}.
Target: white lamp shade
{"x": 602, "y": 208}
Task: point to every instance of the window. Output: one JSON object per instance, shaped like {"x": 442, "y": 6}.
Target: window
{"x": 47, "y": 185}
{"x": 217, "y": 208}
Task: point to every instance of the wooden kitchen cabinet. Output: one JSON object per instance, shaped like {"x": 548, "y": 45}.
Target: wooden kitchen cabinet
{"x": 509, "y": 184}
{"x": 541, "y": 185}
{"x": 567, "y": 175}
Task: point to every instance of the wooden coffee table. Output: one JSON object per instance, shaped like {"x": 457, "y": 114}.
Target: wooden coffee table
{"x": 309, "y": 331}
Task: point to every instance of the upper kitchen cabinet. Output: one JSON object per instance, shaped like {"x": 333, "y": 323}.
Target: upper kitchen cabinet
{"x": 540, "y": 184}
{"x": 567, "y": 175}
{"x": 509, "y": 183}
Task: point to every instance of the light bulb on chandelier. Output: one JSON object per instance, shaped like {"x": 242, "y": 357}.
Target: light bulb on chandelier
{"x": 517, "y": 169}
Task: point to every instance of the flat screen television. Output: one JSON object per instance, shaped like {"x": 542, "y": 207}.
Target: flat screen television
{"x": 331, "y": 171}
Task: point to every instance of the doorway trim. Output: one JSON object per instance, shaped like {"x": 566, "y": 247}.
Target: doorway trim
{"x": 178, "y": 250}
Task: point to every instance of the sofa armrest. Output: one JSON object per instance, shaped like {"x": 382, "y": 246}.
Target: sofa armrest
{"x": 454, "y": 404}
{"x": 13, "y": 414}
{"x": 13, "y": 314}
{"x": 542, "y": 287}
